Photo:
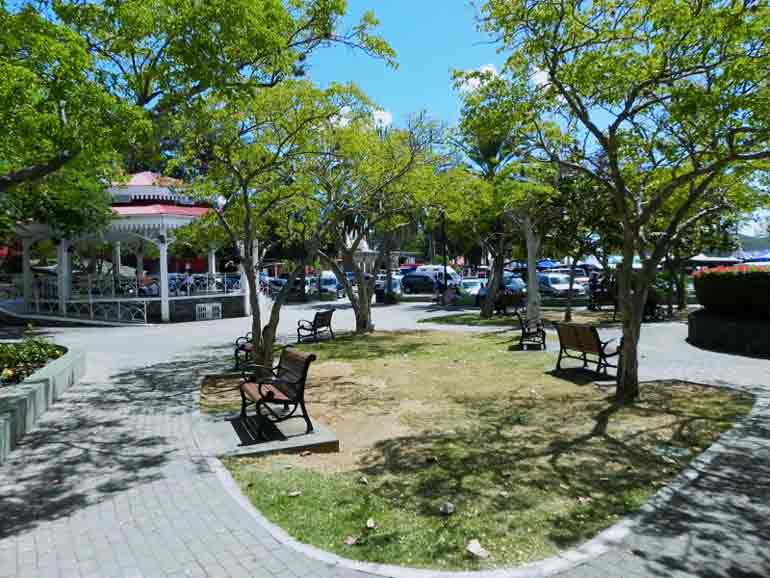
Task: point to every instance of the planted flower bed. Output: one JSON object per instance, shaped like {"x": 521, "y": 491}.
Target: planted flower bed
{"x": 20, "y": 360}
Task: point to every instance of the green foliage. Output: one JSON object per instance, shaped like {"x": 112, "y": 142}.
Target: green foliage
{"x": 246, "y": 155}
{"x": 20, "y": 360}
{"x": 164, "y": 55}
{"x": 61, "y": 129}
{"x": 740, "y": 291}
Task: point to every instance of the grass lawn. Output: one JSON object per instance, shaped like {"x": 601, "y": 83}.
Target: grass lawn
{"x": 601, "y": 318}
{"x": 549, "y": 315}
{"x": 533, "y": 461}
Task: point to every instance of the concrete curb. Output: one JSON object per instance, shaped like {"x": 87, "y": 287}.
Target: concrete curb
{"x": 22, "y": 405}
{"x": 607, "y": 541}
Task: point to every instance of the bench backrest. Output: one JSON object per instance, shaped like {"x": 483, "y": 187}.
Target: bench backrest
{"x": 293, "y": 367}
{"x": 323, "y": 318}
{"x": 528, "y": 325}
{"x": 579, "y": 337}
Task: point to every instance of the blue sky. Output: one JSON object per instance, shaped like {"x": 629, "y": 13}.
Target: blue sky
{"x": 430, "y": 37}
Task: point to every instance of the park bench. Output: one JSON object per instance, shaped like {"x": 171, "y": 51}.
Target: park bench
{"x": 284, "y": 384}
{"x": 532, "y": 332}
{"x": 584, "y": 339}
{"x": 508, "y": 299}
{"x": 243, "y": 350}
{"x": 322, "y": 321}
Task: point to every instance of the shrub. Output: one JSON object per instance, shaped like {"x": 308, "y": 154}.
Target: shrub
{"x": 20, "y": 360}
{"x": 738, "y": 291}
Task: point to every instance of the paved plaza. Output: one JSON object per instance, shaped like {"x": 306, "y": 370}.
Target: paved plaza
{"x": 114, "y": 483}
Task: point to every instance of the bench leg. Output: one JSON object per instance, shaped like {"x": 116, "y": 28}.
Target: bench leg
{"x": 235, "y": 354}
{"x": 299, "y": 337}
{"x": 331, "y": 332}
{"x": 543, "y": 341}
{"x": 305, "y": 416}
{"x": 558, "y": 361}
{"x": 243, "y": 404}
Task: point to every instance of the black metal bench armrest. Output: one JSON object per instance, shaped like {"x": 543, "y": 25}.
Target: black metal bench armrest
{"x": 243, "y": 339}
{"x": 305, "y": 324}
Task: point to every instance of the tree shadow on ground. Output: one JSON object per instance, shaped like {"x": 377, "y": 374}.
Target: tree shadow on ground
{"x": 102, "y": 439}
{"x": 506, "y": 459}
{"x": 720, "y": 517}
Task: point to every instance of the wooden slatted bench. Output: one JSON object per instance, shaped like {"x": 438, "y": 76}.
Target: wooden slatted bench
{"x": 508, "y": 299}
{"x": 584, "y": 339}
{"x": 284, "y": 384}
{"x": 322, "y": 321}
{"x": 243, "y": 350}
{"x": 532, "y": 332}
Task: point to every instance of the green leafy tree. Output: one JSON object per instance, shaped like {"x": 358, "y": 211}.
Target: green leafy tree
{"x": 582, "y": 220}
{"x": 491, "y": 137}
{"x": 162, "y": 55}
{"x": 663, "y": 99}
{"x": 366, "y": 182}
{"x": 61, "y": 129}
{"x": 246, "y": 154}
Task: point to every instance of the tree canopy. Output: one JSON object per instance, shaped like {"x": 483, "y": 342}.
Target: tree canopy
{"x": 61, "y": 129}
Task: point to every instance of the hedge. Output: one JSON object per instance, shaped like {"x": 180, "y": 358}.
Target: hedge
{"x": 738, "y": 291}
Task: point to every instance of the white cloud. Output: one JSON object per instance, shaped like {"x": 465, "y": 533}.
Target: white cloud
{"x": 382, "y": 118}
{"x": 471, "y": 84}
{"x": 343, "y": 118}
{"x": 540, "y": 78}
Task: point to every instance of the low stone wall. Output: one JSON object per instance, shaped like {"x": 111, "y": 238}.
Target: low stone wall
{"x": 729, "y": 334}
{"x": 22, "y": 405}
{"x": 183, "y": 310}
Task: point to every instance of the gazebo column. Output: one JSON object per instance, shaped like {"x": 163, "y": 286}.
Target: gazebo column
{"x": 26, "y": 269}
{"x": 116, "y": 265}
{"x": 212, "y": 261}
{"x": 63, "y": 274}
{"x": 165, "y": 311}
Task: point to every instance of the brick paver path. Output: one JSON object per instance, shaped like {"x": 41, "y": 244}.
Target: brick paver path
{"x": 112, "y": 482}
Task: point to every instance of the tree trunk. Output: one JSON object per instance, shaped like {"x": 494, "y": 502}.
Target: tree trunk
{"x": 568, "y": 312}
{"x": 494, "y": 283}
{"x": 533, "y": 285}
{"x": 362, "y": 303}
{"x": 364, "y": 311}
{"x": 270, "y": 330}
{"x": 672, "y": 276}
{"x": 681, "y": 290}
{"x": 632, "y": 295}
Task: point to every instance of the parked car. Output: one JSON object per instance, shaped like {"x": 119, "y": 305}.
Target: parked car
{"x": 329, "y": 284}
{"x": 581, "y": 277}
{"x": 418, "y": 283}
{"x": 476, "y": 288}
{"x": 557, "y": 285}
{"x": 515, "y": 284}
{"x": 437, "y": 272}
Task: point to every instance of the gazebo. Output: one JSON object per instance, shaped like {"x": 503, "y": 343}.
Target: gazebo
{"x": 147, "y": 209}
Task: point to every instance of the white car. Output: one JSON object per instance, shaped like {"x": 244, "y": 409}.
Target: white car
{"x": 557, "y": 285}
{"x": 581, "y": 277}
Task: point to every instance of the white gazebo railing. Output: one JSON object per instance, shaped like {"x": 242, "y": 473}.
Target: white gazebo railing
{"x": 119, "y": 311}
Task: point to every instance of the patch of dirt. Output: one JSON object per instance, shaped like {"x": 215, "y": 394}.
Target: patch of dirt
{"x": 347, "y": 405}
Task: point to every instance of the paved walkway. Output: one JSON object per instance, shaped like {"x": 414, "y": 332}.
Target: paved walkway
{"x": 112, "y": 482}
